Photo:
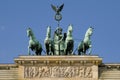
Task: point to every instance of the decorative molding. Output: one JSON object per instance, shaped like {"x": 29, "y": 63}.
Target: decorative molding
{"x": 58, "y": 60}
{"x": 110, "y": 66}
{"x": 7, "y": 66}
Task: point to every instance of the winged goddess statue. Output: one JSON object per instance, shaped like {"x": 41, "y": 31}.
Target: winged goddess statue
{"x": 57, "y": 9}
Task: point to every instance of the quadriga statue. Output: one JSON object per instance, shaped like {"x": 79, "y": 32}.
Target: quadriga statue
{"x": 63, "y": 44}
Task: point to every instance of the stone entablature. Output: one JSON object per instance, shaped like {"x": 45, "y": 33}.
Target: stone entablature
{"x": 111, "y": 66}
{"x": 58, "y": 60}
{"x": 58, "y": 67}
{"x": 109, "y": 71}
{"x": 9, "y": 72}
{"x": 7, "y": 66}
{"x": 108, "y": 67}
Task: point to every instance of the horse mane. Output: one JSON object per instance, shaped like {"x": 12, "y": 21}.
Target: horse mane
{"x": 86, "y": 34}
{"x": 32, "y": 34}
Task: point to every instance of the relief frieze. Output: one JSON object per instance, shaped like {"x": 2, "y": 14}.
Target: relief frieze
{"x": 58, "y": 71}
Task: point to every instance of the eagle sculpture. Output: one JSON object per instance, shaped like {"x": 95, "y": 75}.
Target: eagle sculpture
{"x": 57, "y": 9}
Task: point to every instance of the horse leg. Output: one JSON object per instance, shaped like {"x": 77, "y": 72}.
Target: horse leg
{"x": 84, "y": 50}
{"x": 53, "y": 51}
{"x": 71, "y": 51}
{"x": 47, "y": 48}
{"x": 65, "y": 51}
{"x": 38, "y": 52}
{"x": 47, "y": 51}
{"x": 90, "y": 49}
{"x": 29, "y": 50}
{"x": 79, "y": 52}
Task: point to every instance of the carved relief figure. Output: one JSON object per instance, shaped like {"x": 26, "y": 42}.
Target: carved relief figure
{"x": 88, "y": 72}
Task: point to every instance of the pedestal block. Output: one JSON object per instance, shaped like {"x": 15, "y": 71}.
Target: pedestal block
{"x": 58, "y": 67}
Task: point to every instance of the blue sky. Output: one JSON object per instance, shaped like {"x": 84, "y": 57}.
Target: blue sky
{"x": 17, "y": 15}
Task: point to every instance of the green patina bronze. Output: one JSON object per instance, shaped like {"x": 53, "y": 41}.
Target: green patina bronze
{"x": 49, "y": 46}
{"x": 60, "y": 44}
{"x": 69, "y": 42}
{"x": 57, "y": 9}
{"x": 34, "y": 44}
{"x": 85, "y": 44}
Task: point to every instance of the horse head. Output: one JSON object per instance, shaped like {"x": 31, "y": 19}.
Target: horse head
{"x": 29, "y": 32}
{"x": 69, "y": 33}
{"x": 70, "y": 29}
{"x": 89, "y": 31}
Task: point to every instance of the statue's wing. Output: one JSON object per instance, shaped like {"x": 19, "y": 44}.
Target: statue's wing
{"x": 54, "y": 8}
{"x": 61, "y": 7}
